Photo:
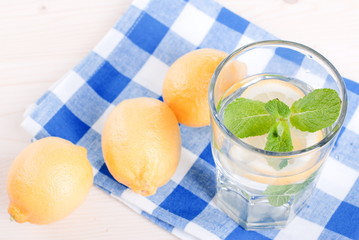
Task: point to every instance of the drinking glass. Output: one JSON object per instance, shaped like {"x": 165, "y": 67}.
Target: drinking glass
{"x": 261, "y": 189}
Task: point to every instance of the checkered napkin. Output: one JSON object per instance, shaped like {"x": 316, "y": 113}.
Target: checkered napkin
{"x": 131, "y": 61}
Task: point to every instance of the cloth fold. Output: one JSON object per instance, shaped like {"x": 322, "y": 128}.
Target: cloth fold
{"x": 131, "y": 61}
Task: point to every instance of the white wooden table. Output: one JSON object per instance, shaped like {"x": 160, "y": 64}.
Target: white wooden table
{"x": 41, "y": 40}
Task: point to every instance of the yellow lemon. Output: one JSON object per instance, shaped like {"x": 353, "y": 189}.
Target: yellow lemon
{"x": 185, "y": 87}
{"x": 141, "y": 144}
{"x": 48, "y": 180}
{"x": 231, "y": 78}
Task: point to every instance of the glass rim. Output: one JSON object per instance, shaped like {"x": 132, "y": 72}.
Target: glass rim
{"x": 321, "y": 143}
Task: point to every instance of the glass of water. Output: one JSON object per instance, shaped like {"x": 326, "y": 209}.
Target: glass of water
{"x": 261, "y": 189}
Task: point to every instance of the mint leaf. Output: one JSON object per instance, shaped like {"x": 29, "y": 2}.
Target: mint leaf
{"x": 283, "y": 163}
{"x": 277, "y": 164}
{"x": 278, "y": 200}
{"x": 281, "y": 194}
{"x": 315, "y": 111}
{"x": 246, "y": 118}
{"x": 277, "y": 108}
{"x": 279, "y": 138}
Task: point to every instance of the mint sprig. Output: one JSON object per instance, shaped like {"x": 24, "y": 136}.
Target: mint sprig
{"x": 315, "y": 111}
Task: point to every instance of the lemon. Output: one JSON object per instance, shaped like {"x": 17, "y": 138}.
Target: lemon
{"x": 231, "y": 78}
{"x": 185, "y": 87}
{"x": 48, "y": 180}
{"x": 141, "y": 144}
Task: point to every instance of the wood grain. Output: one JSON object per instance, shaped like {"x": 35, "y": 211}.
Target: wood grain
{"x": 41, "y": 40}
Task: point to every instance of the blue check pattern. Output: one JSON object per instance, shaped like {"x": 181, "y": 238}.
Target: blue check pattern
{"x": 130, "y": 62}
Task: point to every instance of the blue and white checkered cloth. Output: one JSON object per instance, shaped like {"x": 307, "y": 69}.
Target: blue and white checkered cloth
{"x": 131, "y": 61}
